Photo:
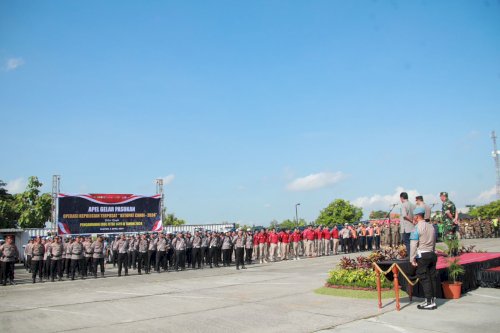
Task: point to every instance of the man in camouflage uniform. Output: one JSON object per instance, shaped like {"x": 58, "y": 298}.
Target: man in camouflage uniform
{"x": 469, "y": 230}
{"x": 449, "y": 215}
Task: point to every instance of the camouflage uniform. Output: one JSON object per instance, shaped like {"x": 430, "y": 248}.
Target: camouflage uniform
{"x": 448, "y": 229}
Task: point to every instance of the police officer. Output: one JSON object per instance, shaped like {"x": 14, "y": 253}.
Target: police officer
{"x": 98, "y": 250}
{"x": 87, "y": 263}
{"x": 56, "y": 263}
{"x": 46, "y": 257}
{"x": 226, "y": 249}
{"x": 249, "y": 246}
{"x": 37, "y": 252}
{"x": 152, "y": 251}
{"x": 67, "y": 256}
{"x": 77, "y": 259}
{"x": 161, "y": 253}
{"x": 9, "y": 255}
{"x": 114, "y": 250}
{"x": 143, "y": 255}
{"x": 205, "y": 242}
{"x": 189, "y": 249}
{"x": 394, "y": 232}
{"x": 423, "y": 257}
{"x": 239, "y": 242}
{"x": 179, "y": 244}
{"x": 170, "y": 252}
{"x": 27, "y": 252}
{"x": 123, "y": 245}
{"x": 196, "y": 244}
{"x": 212, "y": 250}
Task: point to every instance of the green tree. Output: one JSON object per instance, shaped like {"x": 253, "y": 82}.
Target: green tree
{"x": 377, "y": 214}
{"x": 171, "y": 219}
{"x": 338, "y": 212}
{"x": 291, "y": 224}
{"x": 274, "y": 224}
{"x": 491, "y": 210}
{"x": 8, "y": 214}
{"x": 33, "y": 208}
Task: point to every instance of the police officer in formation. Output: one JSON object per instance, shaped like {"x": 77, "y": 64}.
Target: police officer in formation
{"x": 98, "y": 249}
{"x": 56, "y": 250}
{"x": 8, "y": 256}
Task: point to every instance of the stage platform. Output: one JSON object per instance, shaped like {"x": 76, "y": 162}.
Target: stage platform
{"x": 475, "y": 265}
{"x": 490, "y": 278}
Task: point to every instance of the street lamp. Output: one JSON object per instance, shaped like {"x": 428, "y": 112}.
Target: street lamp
{"x": 297, "y": 213}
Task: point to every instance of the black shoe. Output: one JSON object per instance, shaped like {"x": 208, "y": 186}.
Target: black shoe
{"x": 428, "y": 306}
{"x": 139, "y": 273}
{"x": 126, "y": 274}
{"x": 60, "y": 279}
{"x": 34, "y": 280}
{"x": 243, "y": 267}
{"x": 237, "y": 268}
{"x": 52, "y": 280}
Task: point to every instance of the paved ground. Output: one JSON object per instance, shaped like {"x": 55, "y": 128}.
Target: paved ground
{"x": 275, "y": 297}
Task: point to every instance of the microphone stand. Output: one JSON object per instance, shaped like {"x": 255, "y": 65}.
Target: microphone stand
{"x": 389, "y": 214}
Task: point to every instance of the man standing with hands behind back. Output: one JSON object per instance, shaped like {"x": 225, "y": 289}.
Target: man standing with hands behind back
{"x": 423, "y": 257}
{"x": 406, "y": 221}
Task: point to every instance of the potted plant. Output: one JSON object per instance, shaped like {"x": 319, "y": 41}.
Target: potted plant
{"x": 452, "y": 288}
{"x": 452, "y": 245}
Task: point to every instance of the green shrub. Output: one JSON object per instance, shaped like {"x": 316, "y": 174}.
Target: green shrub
{"x": 361, "y": 278}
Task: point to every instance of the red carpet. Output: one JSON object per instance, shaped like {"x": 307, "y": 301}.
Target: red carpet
{"x": 468, "y": 258}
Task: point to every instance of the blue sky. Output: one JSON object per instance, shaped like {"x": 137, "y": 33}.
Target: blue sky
{"x": 247, "y": 108}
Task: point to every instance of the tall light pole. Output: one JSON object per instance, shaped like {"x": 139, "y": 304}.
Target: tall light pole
{"x": 297, "y": 213}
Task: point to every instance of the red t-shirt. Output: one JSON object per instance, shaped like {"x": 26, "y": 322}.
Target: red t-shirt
{"x": 296, "y": 237}
{"x": 262, "y": 238}
{"x": 326, "y": 234}
{"x": 285, "y": 238}
{"x": 335, "y": 233}
{"x": 309, "y": 234}
{"x": 273, "y": 238}
{"x": 319, "y": 234}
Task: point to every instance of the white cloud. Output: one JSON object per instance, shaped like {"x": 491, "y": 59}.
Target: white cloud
{"x": 486, "y": 196}
{"x": 383, "y": 202}
{"x": 315, "y": 181}
{"x": 16, "y": 186}
{"x": 13, "y": 63}
{"x": 168, "y": 179}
